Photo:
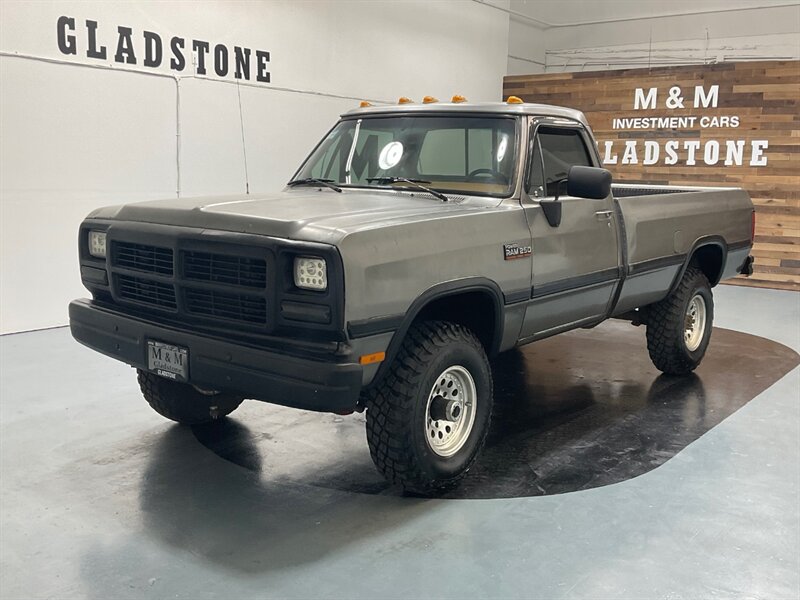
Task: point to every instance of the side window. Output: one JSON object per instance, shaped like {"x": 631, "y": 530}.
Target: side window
{"x": 561, "y": 149}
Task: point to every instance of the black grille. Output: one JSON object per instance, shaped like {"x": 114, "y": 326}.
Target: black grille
{"x": 222, "y": 268}
{"x": 150, "y": 259}
{"x": 236, "y": 307}
{"x": 146, "y": 291}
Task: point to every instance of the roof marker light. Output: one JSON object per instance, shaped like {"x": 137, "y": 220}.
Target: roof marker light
{"x": 429, "y": 100}
{"x": 404, "y": 100}
{"x": 458, "y": 99}
{"x": 514, "y": 100}
{"x": 365, "y": 104}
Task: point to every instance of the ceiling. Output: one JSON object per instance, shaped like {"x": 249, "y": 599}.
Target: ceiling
{"x": 561, "y": 13}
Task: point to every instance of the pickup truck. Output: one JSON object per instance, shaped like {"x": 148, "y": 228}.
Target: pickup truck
{"x": 415, "y": 243}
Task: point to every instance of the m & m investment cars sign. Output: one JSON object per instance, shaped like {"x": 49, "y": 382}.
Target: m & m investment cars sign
{"x": 729, "y": 152}
{"x": 731, "y": 124}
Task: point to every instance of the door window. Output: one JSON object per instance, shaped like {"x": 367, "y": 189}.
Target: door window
{"x": 561, "y": 149}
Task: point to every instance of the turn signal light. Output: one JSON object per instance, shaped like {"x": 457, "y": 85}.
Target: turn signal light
{"x": 514, "y": 100}
{"x": 458, "y": 99}
{"x": 365, "y": 104}
{"x": 369, "y": 359}
{"x": 429, "y": 100}
{"x": 404, "y": 100}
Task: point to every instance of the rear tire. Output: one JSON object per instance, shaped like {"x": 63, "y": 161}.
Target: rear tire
{"x": 428, "y": 419}
{"x": 184, "y": 403}
{"x": 679, "y": 327}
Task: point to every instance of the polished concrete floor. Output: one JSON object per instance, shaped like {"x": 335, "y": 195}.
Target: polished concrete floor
{"x": 601, "y": 480}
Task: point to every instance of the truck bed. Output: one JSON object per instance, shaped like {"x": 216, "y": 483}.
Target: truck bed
{"x": 663, "y": 224}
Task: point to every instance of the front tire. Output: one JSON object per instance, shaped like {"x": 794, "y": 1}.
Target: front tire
{"x": 184, "y": 403}
{"x": 679, "y": 327}
{"x": 427, "y": 421}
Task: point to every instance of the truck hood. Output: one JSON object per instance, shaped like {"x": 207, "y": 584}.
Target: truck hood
{"x": 309, "y": 214}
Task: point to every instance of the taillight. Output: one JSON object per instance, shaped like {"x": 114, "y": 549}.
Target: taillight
{"x": 752, "y": 226}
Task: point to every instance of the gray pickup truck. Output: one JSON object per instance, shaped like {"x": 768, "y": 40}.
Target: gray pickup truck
{"x": 415, "y": 243}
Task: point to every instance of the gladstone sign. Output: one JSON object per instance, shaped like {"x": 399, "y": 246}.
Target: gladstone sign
{"x": 150, "y": 49}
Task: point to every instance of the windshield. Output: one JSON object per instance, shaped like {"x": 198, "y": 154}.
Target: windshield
{"x": 461, "y": 154}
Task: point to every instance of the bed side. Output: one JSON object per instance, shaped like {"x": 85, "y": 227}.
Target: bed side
{"x": 666, "y": 226}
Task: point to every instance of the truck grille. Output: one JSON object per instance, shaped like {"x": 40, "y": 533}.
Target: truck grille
{"x": 146, "y": 291}
{"x": 237, "y": 307}
{"x": 199, "y": 285}
{"x": 222, "y": 268}
{"x": 149, "y": 259}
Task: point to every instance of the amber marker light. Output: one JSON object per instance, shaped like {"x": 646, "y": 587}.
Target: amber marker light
{"x": 365, "y": 104}
{"x": 458, "y": 99}
{"x": 514, "y": 100}
{"x": 370, "y": 359}
{"x": 404, "y": 100}
{"x": 429, "y": 100}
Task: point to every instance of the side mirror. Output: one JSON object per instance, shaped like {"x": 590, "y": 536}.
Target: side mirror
{"x": 588, "y": 182}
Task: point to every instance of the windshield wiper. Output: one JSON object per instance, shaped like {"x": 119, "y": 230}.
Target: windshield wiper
{"x": 416, "y": 183}
{"x": 315, "y": 181}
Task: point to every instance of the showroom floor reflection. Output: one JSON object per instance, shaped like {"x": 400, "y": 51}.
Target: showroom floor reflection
{"x": 573, "y": 412}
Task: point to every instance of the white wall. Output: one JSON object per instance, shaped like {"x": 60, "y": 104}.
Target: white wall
{"x": 591, "y": 35}
{"x": 73, "y": 138}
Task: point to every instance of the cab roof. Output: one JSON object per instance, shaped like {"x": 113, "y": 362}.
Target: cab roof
{"x": 495, "y": 108}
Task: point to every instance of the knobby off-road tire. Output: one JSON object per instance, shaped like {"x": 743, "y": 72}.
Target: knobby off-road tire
{"x": 440, "y": 365}
{"x": 679, "y": 327}
{"x": 182, "y": 402}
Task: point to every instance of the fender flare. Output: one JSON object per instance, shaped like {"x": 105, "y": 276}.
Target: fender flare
{"x": 437, "y": 292}
{"x": 709, "y": 240}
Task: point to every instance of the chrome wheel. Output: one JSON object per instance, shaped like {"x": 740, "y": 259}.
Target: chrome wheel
{"x": 694, "y": 325}
{"x": 450, "y": 412}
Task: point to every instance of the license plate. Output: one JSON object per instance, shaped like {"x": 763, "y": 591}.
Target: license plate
{"x": 167, "y": 360}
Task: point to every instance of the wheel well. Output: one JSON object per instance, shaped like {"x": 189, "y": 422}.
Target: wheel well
{"x": 475, "y": 310}
{"x": 709, "y": 259}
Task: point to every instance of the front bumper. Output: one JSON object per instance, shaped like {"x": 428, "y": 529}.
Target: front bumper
{"x": 222, "y": 365}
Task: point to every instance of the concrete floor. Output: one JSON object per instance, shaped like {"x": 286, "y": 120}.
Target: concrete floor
{"x": 102, "y": 498}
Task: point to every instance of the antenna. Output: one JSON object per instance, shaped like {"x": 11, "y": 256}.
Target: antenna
{"x": 244, "y": 147}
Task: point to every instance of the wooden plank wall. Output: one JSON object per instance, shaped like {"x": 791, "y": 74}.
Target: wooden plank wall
{"x": 764, "y": 95}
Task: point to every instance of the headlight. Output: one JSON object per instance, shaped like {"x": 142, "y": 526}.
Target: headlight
{"x": 310, "y": 273}
{"x": 97, "y": 244}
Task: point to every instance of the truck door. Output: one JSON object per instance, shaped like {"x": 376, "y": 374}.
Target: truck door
{"x": 575, "y": 264}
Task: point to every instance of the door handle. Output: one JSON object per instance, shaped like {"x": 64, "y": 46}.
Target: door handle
{"x": 603, "y": 215}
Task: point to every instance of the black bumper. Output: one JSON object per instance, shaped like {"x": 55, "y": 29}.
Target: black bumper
{"x": 222, "y": 365}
